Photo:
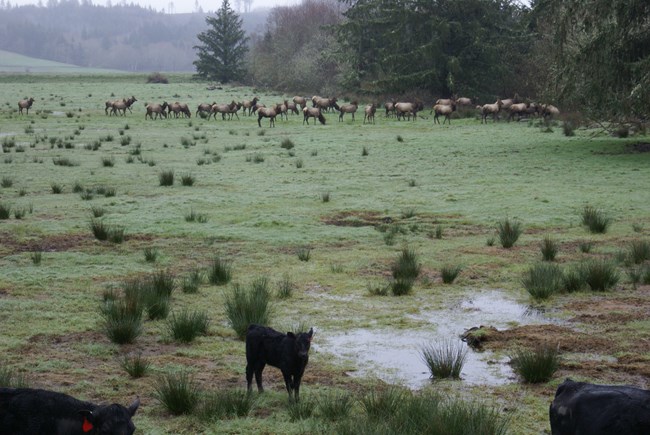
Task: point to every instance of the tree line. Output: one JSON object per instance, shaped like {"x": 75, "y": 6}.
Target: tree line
{"x": 591, "y": 56}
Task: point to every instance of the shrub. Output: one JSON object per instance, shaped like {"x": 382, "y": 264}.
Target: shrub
{"x": 549, "y": 248}
{"x": 600, "y": 275}
{"x": 639, "y": 251}
{"x": 595, "y": 220}
{"x": 99, "y": 229}
{"x": 543, "y": 280}
{"x": 364, "y": 151}
{"x": 509, "y": 232}
{"x": 108, "y": 162}
{"x": 220, "y": 272}
{"x": 299, "y": 164}
{"x": 178, "y": 393}
{"x": 535, "y": 366}
{"x": 226, "y": 403}
{"x": 157, "y": 77}
{"x": 166, "y": 178}
{"x": 444, "y": 359}
{"x": 64, "y": 161}
{"x": 449, "y": 273}
{"x": 122, "y": 320}
{"x": 304, "y": 253}
{"x": 77, "y": 187}
{"x": 135, "y": 366}
{"x": 7, "y": 182}
{"x": 244, "y": 306}
{"x": 186, "y": 326}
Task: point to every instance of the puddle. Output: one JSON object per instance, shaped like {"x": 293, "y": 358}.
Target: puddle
{"x": 394, "y": 355}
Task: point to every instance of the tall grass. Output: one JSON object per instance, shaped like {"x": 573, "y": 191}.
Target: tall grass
{"x": 537, "y": 365}
{"x": 9, "y": 378}
{"x": 229, "y": 403}
{"x": 444, "y": 359}
{"x": 595, "y": 220}
{"x": 285, "y": 287}
{"x": 135, "y": 365}
{"x": 304, "y": 253}
{"x": 122, "y": 320}
{"x": 5, "y": 211}
{"x": 599, "y": 274}
{"x": 166, "y": 178}
{"x": 246, "y": 305}
{"x": 449, "y": 273}
{"x": 639, "y": 251}
{"x": 178, "y": 393}
{"x": 549, "y": 248}
{"x": 187, "y": 325}
{"x": 220, "y": 272}
{"x": 543, "y": 280}
{"x": 334, "y": 406}
{"x": 509, "y": 232}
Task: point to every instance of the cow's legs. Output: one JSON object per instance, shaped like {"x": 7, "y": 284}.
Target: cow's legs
{"x": 258, "y": 378}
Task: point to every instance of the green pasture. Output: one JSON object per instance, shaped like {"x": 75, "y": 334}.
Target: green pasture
{"x": 263, "y": 202}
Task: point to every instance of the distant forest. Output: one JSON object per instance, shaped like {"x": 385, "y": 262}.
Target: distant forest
{"x": 124, "y": 36}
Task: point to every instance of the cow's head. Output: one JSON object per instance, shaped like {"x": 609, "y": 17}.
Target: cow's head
{"x": 303, "y": 342}
{"x": 110, "y": 420}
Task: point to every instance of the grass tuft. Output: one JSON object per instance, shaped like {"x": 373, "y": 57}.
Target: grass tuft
{"x": 509, "y": 232}
{"x": 5, "y": 211}
{"x": 136, "y": 366}
{"x": 220, "y": 272}
{"x": 188, "y": 325}
{"x": 188, "y": 180}
{"x": 535, "y": 366}
{"x": 122, "y": 320}
{"x": 304, "y": 253}
{"x": 37, "y": 257}
{"x": 543, "y": 280}
{"x": 230, "y": 403}
{"x": 178, "y": 393}
{"x": 599, "y": 274}
{"x": 444, "y": 359}
{"x": 639, "y": 251}
{"x": 301, "y": 410}
{"x": 150, "y": 254}
{"x": 9, "y": 378}
{"x": 335, "y": 406}
{"x": 166, "y": 178}
{"x": 449, "y": 273}
{"x": 595, "y": 220}
{"x": 244, "y": 306}
{"x": 549, "y": 248}
{"x": 285, "y": 287}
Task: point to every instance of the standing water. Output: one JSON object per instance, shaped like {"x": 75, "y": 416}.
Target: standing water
{"x": 394, "y": 356}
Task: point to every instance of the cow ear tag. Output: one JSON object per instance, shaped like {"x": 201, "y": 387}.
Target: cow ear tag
{"x": 87, "y": 426}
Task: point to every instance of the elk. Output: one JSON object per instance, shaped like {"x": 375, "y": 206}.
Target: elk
{"x": 348, "y": 108}
{"x": 25, "y": 104}
{"x": 312, "y": 112}
{"x": 158, "y": 109}
{"x": 369, "y": 113}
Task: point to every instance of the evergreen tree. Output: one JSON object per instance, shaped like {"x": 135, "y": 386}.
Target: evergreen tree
{"x": 224, "y": 46}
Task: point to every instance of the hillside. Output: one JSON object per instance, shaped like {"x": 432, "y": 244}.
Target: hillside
{"x": 124, "y": 37}
{"x": 18, "y": 63}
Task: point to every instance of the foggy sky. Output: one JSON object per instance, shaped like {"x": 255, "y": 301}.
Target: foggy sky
{"x": 179, "y": 6}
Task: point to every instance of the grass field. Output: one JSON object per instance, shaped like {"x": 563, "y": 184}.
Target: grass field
{"x": 14, "y": 63}
{"x": 261, "y": 195}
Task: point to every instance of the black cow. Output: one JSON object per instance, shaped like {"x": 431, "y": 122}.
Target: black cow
{"x": 27, "y": 411}
{"x": 581, "y": 408}
{"x": 288, "y": 352}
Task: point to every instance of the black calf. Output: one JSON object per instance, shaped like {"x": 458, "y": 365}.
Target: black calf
{"x": 288, "y": 352}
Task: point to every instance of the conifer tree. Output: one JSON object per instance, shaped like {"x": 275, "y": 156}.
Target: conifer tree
{"x": 224, "y": 46}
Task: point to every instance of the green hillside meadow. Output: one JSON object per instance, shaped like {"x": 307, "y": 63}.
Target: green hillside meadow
{"x": 353, "y": 195}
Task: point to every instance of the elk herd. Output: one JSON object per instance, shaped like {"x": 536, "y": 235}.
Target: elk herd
{"x": 509, "y": 109}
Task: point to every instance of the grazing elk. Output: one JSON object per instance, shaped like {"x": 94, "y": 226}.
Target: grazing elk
{"x": 369, "y": 113}
{"x": 549, "y": 111}
{"x": 300, "y": 101}
{"x": 158, "y": 109}
{"x": 291, "y": 107}
{"x": 204, "y": 108}
{"x": 324, "y": 103}
{"x": 289, "y": 352}
{"x": 582, "y": 408}
{"x": 390, "y": 108}
{"x": 266, "y": 112}
{"x": 225, "y": 109}
{"x": 281, "y": 109}
{"x": 179, "y": 108}
{"x": 445, "y": 110}
{"x": 248, "y": 105}
{"x": 348, "y": 108}
{"x": 312, "y": 112}
{"x": 25, "y": 104}
{"x": 518, "y": 109}
{"x": 119, "y": 105}
{"x": 408, "y": 109}
{"x": 27, "y": 411}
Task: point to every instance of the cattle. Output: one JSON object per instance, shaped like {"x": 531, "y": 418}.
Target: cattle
{"x": 289, "y": 352}
{"x": 582, "y": 408}
{"x": 27, "y": 411}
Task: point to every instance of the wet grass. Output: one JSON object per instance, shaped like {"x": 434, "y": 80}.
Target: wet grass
{"x": 259, "y": 213}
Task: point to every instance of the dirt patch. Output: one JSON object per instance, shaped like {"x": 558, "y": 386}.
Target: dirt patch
{"x": 357, "y": 219}
{"x": 52, "y": 243}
